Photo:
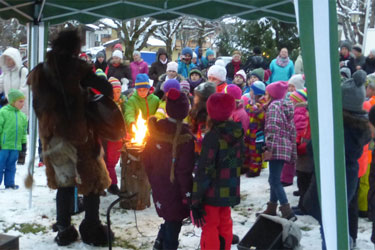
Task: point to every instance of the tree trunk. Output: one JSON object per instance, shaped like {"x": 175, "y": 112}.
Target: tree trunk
{"x": 168, "y": 46}
{"x": 372, "y": 15}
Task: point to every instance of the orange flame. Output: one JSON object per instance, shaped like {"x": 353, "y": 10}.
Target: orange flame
{"x": 139, "y": 130}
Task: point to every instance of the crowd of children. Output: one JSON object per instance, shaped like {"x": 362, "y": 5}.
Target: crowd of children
{"x": 203, "y": 133}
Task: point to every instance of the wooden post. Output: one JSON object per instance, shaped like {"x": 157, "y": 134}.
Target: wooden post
{"x": 134, "y": 180}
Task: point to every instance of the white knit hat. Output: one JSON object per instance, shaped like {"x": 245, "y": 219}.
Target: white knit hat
{"x": 217, "y": 71}
{"x": 220, "y": 62}
{"x": 172, "y": 66}
{"x": 242, "y": 74}
{"x": 297, "y": 81}
{"x": 117, "y": 53}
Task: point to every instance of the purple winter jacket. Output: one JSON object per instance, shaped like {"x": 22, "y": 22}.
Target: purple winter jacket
{"x": 157, "y": 158}
{"x": 138, "y": 68}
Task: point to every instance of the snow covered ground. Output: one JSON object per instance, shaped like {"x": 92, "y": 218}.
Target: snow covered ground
{"x": 35, "y": 223}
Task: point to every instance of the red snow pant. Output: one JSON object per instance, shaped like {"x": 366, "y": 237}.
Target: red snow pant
{"x": 218, "y": 223}
{"x": 112, "y": 155}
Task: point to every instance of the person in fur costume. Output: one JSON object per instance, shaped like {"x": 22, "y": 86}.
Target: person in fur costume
{"x": 72, "y": 152}
{"x": 169, "y": 162}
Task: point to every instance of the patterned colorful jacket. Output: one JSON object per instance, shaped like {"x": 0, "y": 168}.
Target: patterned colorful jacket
{"x": 217, "y": 178}
{"x": 280, "y": 131}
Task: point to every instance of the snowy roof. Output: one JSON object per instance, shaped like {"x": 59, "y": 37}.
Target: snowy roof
{"x": 112, "y": 42}
{"x": 109, "y": 22}
{"x": 95, "y": 50}
{"x": 92, "y": 26}
{"x": 152, "y": 41}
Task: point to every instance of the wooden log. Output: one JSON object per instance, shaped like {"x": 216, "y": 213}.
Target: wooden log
{"x": 134, "y": 180}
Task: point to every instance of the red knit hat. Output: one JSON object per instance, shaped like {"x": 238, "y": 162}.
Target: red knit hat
{"x": 220, "y": 106}
{"x": 277, "y": 90}
{"x": 177, "y": 104}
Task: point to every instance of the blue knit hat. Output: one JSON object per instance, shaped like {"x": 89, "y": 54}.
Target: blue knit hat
{"x": 142, "y": 81}
{"x": 259, "y": 88}
{"x": 187, "y": 50}
{"x": 209, "y": 52}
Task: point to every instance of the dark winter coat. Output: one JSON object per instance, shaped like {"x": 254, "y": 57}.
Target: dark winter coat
{"x": 356, "y": 135}
{"x": 217, "y": 178}
{"x": 255, "y": 62}
{"x": 65, "y": 118}
{"x": 230, "y": 70}
{"x": 193, "y": 85}
{"x": 158, "y": 68}
{"x": 171, "y": 199}
{"x": 119, "y": 72}
{"x": 371, "y": 192}
{"x": 369, "y": 66}
{"x": 360, "y": 61}
{"x": 349, "y": 62}
{"x": 103, "y": 66}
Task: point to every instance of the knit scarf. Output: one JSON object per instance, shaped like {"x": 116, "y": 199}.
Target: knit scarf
{"x": 236, "y": 66}
{"x": 282, "y": 62}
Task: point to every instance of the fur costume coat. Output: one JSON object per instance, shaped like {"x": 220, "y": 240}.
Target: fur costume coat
{"x": 64, "y": 130}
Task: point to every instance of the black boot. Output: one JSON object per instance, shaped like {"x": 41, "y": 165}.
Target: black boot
{"x": 65, "y": 235}
{"x": 91, "y": 230}
{"x": 113, "y": 189}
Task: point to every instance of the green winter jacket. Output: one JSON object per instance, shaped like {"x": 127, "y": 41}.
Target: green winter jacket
{"x": 136, "y": 103}
{"x": 13, "y": 128}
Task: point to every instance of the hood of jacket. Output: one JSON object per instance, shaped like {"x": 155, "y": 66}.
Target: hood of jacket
{"x": 370, "y": 61}
{"x": 160, "y": 52}
{"x": 15, "y": 55}
{"x": 230, "y": 131}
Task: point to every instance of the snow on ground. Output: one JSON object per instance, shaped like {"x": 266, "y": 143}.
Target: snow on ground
{"x": 15, "y": 216}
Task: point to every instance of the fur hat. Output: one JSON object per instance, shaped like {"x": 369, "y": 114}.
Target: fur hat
{"x": 346, "y": 44}
{"x": 15, "y": 95}
{"x": 185, "y": 87}
{"x": 142, "y": 81}
{"x": 117, "y": 53}
{"x": 236, "y": 52}
{"x": 220, "y": 106}
{"x": 136, "y": 52}
{"x": 241, "y": 73}
{"x": 177, "y": 106}
{"x": 218, "y": 72}
{"x": 171, "y": 84}
{"x": 298, "y": 96}
{"x": 258, "y": 87}
{"x": 371, "y": 80}
{"x": 297, "y": 81}
{"x": 100, "y": 73}
{"x": 353, "y": 92}
{"x": 187, "y": 50}
{"x": 205, "y": 89}
{"x": 172, "y": 66}
{"x": 259, "y": 73}
{"x": 233, "y": 90}
{"x": 277, "y": 90}
{"x": 115, "y": 82}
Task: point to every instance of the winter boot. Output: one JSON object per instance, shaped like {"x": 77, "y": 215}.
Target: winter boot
{"x": 91, "y": 230}
{"x": 287, "y": 212}
{"x": 270, "y": 210}
{"x": 158, "y": 245}
{"x": 65, "y": 235}
{"x": 113, "y": 189}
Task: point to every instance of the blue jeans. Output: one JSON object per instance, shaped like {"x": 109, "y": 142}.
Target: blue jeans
{"x": 8, "y": 161}
{"x": 168, "y": 234}
{"x": 277, "y": 189}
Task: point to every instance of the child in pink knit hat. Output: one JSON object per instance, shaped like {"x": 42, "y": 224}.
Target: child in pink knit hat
{"x": 239, "y": 114}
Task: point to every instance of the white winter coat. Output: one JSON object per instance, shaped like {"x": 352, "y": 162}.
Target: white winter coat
{"x": 14, "y": 78}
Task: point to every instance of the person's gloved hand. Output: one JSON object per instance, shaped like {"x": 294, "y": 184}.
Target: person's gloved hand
{"x": 22, "y": 155}
{"x": 197, "y": 214}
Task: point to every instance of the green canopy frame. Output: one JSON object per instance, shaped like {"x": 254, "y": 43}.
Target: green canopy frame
{"x": 317, "y": 23}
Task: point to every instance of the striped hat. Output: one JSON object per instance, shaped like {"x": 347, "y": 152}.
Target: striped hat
{"x": 115, "y": 82}
{"x": 298, "y": 96}
{"x": 142, "y": 81}
{"x": 100, "y": 73}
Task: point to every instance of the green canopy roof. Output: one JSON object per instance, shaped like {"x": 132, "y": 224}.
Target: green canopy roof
{"x": 89, "y": 11}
